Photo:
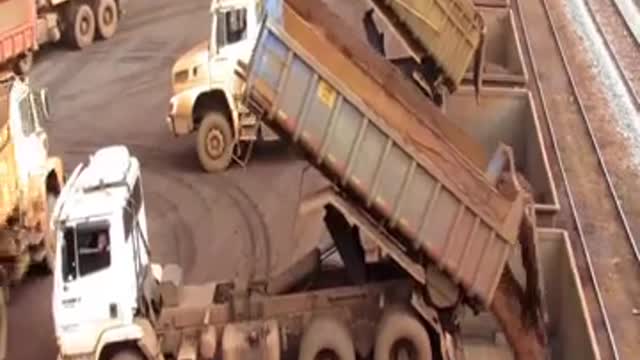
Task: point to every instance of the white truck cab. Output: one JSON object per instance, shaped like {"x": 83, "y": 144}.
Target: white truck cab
{"x": 205, "y": 86}
{"x": 99, "y": 223}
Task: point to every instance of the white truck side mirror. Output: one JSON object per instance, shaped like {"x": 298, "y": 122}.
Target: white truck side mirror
{"x": 44, "y": 100}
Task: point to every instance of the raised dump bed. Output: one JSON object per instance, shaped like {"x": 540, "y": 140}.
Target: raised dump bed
{"x": 569, "y": 327}
{"x": 504, "y": 62}
{"x": 367, "y": 128}
{"x": 508, "y": 116}
{"x": 447, "y": 33}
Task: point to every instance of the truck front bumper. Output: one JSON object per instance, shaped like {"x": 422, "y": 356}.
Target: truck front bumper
{"x": 179, "y": 119}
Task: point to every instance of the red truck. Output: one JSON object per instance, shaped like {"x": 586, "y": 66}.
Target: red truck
{"x": 27, "y": 24}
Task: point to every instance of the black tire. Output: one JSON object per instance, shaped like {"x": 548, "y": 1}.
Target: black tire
{"x": 80, "y": 25}
{"x": 398, "y": 328}
{"x": 23, "y": 64}
{"x": 107, "y": 18}
{"x": 215, "y": 142}
{"x": 326, "y": 336}
{"x": 127, "y": 354}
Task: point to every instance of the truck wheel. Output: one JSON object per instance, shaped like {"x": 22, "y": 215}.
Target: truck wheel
{"x": 80, "y": 26}
{"x": 127, "y": 354}
{"x": 106, "y": 18}
{"x": 23, "y": 64}
{"x": 215, "y": 142}
{"x": 326, "y": 338}
{"x": 401, "y": 336}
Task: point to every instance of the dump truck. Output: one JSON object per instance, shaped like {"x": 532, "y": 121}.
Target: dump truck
{"x": 398, "y": 175}
{"x": 148, "y": 313}
{"x": 25, "y": 25}
{"x": 443, "y": 39}
{"x": 205, "y": 87}
{"x": 30, "y": 181}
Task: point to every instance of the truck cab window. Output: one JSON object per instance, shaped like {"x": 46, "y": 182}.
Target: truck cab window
{"x": 231, "y": 26}
{"x": 85, "y": 251}
{"x": 26, "y": 114}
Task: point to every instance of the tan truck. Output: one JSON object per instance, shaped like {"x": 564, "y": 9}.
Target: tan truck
{"x": 205, "y": 87}
{"x": 30, "y": 181}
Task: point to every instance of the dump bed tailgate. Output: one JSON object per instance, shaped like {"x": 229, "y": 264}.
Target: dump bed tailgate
{"x": 389, "y": 150}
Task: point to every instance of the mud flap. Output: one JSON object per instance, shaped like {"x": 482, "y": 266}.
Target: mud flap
{"x": 148, "y": 343}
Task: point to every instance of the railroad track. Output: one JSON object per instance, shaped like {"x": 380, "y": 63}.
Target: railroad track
{"x": 611, "y": 257}
{"x": 621, "y": 41}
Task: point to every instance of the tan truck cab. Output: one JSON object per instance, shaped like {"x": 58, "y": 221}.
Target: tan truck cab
{"x": 205, "y": 87}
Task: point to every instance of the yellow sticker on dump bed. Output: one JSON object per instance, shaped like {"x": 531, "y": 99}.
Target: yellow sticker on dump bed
{"x": 326, "y": 93}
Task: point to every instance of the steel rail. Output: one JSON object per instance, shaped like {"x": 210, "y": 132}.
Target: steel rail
{"x": 607, "y": 43}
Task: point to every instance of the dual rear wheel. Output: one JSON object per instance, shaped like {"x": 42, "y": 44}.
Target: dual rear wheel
{"x": 399, "y": 336}
{"x": 87, "y": 18}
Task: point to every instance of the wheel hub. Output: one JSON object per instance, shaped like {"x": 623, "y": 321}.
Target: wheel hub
{"x": 108, "y": 16}
{"x": 84, "y": 26}
{"x": 403, "y": 350}
{"x": 215, "y": 143}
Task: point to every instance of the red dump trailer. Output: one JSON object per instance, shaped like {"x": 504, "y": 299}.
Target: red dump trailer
{"x": 27, "y": 24}
{"x": 17, "y": 33}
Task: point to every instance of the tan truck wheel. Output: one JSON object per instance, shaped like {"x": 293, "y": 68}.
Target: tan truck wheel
{"x": 326, "y": 338}
{"x": 106, "y": 18}
{"x": 215, "y": 142}
{"x": 401, "y": 336}
{"x": 80, "y": 26}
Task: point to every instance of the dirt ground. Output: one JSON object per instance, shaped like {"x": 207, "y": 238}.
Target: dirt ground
{"x": 117, "y": 92}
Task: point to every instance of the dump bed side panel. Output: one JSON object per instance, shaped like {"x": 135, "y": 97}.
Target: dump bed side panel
{"x": 405, "y": 176}
{"x": 17, "y": 27}
{"x": 447, "y": 31}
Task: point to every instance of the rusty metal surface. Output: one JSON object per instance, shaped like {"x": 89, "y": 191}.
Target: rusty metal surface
{"x": 504, "y": 62}
{"x": 509, "y": 116}
{"x": 15, "y": 13}
{"x": 17, "y": 27}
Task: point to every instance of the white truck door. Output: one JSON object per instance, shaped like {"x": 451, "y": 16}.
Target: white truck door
{"x": 83, "y": 296}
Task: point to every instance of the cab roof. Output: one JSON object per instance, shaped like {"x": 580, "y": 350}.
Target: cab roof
{"x": 102, "y": 186}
